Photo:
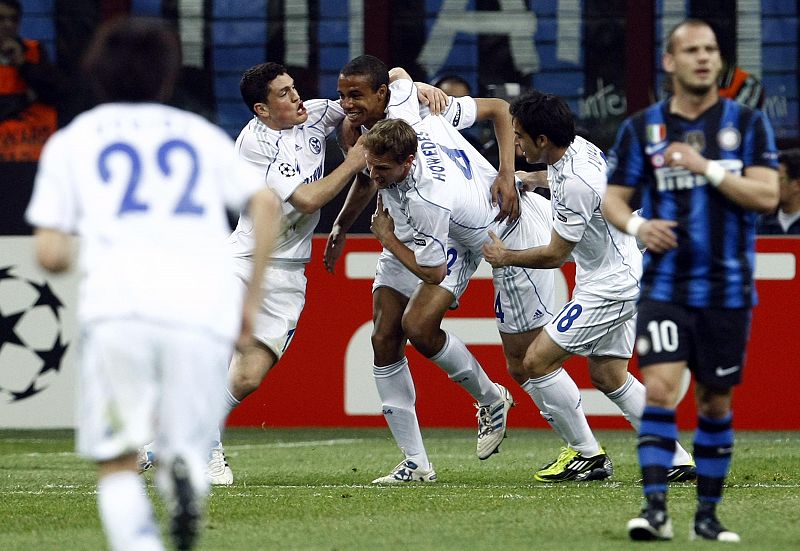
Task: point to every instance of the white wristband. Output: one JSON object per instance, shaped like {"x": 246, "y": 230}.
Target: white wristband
{"x": 634, "y": 224}
{"x": 715, "y": 173}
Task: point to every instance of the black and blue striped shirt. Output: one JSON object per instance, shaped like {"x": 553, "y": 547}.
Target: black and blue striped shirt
{"x": 714, "y": 261}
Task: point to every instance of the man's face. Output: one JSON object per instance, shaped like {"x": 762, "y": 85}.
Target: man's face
{"x": 695, "y": 62}
{"x": 9, "y": 22}
{"x": 283, "y": 107}
{"x": 385, "y": 171}
{"x": 362, "y": 105}
{"x": 532, "y": 148}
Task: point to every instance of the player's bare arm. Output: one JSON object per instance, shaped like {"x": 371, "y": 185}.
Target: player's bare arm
{"x": 552, "y": 255}
{"x": 361, "y": 192}
{"x": 756, "y": 190}
{"x": 504, "y": 190}
{"x": 656, "y": 234}
{"x": 382, "y": 225}
{"x": 53, "y": 249}
{"x": 310, "y": 198}
{"x": 532, "y": 180}
{"x": 265, "y": 212}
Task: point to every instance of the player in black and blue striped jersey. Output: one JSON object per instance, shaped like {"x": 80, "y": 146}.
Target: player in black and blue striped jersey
{"x": 706, "y": 167}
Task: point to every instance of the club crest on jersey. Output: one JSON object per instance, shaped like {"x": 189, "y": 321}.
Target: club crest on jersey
{"x": 656, "y": 133}
{"x": 286, "y": 170}
{"x": 729, "y": 138}
{"x": 697, "y": 139}
{"x": 315, "y": 145}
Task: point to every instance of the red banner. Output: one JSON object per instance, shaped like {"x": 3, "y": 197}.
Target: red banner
{"x": 325, "y": 378}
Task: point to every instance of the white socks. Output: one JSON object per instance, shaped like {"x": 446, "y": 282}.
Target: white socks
{"x": 396, "y": 389}
{"x": 126, "y": 513}
{"x": 630, "y": 398}
{"x": 557, "y": 396}
{"x": 462, "y": 367}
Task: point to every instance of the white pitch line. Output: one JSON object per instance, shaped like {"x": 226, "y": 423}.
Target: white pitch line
{"x": 306, "y": 444}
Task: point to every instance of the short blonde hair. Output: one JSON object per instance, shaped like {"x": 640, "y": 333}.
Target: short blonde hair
{"x": 393, "y": 137}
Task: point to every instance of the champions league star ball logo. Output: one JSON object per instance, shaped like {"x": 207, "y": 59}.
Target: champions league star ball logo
{"x": 31, "y": 346}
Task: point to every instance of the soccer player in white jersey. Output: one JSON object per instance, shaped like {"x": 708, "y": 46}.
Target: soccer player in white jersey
{"x": 599, "y": 321}
{"x": 145, "y": 186}
{"x": 284, "y": 146}
{"x": 407, "y": 306}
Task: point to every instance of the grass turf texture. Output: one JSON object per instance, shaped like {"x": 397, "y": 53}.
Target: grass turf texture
{"x": 310, "y": 489}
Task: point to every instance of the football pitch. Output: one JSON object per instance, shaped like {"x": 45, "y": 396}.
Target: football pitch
{"x": 310, "y": 489}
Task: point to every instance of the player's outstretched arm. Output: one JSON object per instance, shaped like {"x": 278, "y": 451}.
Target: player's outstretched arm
{"x": 53, "y": 249}
{"x": 310, "y": 198}
{"x": 552, "y": 255}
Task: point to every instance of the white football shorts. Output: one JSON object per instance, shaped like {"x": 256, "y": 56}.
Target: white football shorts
{"x": 589, "y": 325}
{"x": 284, "y": 288}
{"x": 523, "y": 297}
{"x": 142, "y": 381}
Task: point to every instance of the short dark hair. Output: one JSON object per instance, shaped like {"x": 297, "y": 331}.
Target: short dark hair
{"x": 133, "y": 59}
{"x": 369, "y": 66}
{"x": 691, "y": 22}
{"x": 394, "y": 137}
{"x": 254, "y": 85}
{"x": 544, "y": 114}
{"x": 791, "y": 159}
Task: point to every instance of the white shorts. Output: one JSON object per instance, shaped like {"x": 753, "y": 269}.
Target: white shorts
{"x": 284, "y": 288}
{"x": 142, "y": 382}
{"x": 592, "y": 326}
{"x": 461, "y": 264}
{"x": 523, "y": 297}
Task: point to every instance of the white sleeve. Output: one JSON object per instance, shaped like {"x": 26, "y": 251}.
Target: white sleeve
{"x": 574, "y": 211}
{"x": 323, "y": 114}
{"x": 461, "y": 112}
{"x": 431, "y": 225}
{"x": 54, "y": 202}
{"x": 269, "y": 164}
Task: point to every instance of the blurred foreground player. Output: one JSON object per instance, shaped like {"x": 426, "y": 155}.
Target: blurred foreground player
{"x": 145, "y": 186}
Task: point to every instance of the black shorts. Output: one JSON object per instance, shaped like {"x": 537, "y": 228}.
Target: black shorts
{"x": 712, "y": 341}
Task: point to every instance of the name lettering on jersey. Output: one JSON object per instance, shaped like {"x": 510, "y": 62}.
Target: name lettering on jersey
{"x": 457, "y": 116}
{"x": 419, "y": 241}
{"x": 430, "y": 153}
{"x": 678, "y": 179}
{"x": 316, "y": 175}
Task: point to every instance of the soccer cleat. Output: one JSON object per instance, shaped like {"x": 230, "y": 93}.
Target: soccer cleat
{"x": 145, "y": 458}
{"x": 652, "y": 524}
{"x": 492, "y": 423}
{"x": 407, "y": 471}
{"x": 571, "y": 465}
{"x": 708, "y": 527}
{"x": 218, "y": 471}
{"x": 682, "y": 473}
{"x": 184, "y": 513}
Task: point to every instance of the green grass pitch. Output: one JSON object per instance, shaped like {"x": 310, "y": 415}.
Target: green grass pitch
{"x": 310, "y": 489}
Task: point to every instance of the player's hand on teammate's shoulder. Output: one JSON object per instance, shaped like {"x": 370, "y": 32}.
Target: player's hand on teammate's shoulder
{"x": 357, "y": 154}
{"x": 433, "y": 97}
